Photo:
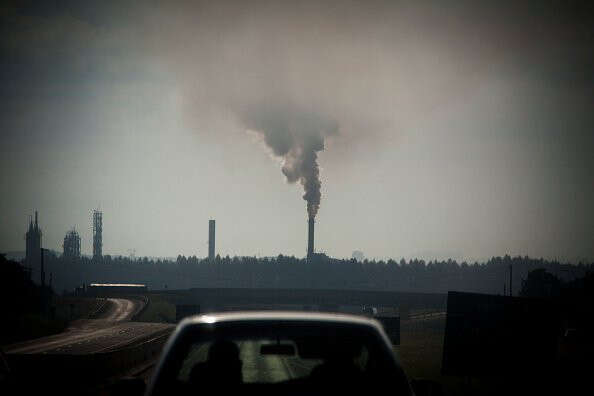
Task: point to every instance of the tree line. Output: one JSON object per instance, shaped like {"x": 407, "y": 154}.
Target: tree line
{"x": 414, "y": 275}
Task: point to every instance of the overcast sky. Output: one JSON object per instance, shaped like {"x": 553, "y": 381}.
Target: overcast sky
{"x": 456, "y": 130}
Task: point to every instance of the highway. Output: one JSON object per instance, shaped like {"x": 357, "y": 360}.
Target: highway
{"x": 112, "y": 331}
{"x": 272, "y": 368}
{"x": 257, "y": 368}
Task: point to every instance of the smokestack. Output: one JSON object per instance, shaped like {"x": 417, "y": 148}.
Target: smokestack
{"x": 211, "y": 239}
{"x": 310, "y": 238}
{"x": 97, "y": 235}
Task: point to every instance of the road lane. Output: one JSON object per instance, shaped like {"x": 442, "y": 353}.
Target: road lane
{"x": 271, "y": 368}
{"x": 113, "y": 330}
{"x": 259, "y": 368}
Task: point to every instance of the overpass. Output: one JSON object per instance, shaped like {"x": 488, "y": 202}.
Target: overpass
{"x": 217, "y": 298}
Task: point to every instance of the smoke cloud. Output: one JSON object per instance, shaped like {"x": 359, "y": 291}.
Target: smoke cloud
{"x": 296, "y": 136}
{"x": 479, "y": 108}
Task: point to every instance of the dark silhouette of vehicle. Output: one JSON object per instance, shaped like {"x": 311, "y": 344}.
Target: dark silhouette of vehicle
{"x": 280, "y": 353}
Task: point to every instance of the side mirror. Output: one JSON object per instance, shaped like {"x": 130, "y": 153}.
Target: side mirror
{"x": 424, "y": 387}
{"x": 129, "y": 386}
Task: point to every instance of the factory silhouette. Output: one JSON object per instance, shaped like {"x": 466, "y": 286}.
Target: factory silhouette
{"x": 71, "y": 245}
{"x": 72, "y": 241}
{"x": 71, "y": 269}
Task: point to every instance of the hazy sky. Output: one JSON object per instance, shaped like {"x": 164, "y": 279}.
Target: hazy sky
{"x": 450, "y": 129}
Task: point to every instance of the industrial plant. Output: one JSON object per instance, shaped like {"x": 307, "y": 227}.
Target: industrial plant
{"x": 72, "y": 244}
{"x": 72, "y": 240}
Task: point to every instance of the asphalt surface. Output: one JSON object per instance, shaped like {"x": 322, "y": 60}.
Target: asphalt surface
{"x": 112, "y": 331}
{"x": 273, "y": 368}
{"x": 257, "y": 368}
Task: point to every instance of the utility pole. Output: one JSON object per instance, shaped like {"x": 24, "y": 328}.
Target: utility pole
{"x": 45, "y": 293}
{"x": 42, "y": 250}
{"x": 510, "y": 280}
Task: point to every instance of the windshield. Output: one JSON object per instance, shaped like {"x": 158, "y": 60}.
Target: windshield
{"x": 265, "y": 360}
{"x": 282, "y": 359}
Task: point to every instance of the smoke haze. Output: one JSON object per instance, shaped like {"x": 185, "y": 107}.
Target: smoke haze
{"x": 440, "y": 127}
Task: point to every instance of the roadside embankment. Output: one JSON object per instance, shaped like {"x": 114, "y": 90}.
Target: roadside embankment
{"x": 77, "y": 372}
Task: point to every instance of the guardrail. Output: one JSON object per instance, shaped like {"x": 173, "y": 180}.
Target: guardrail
{"x": 426, "y": 315}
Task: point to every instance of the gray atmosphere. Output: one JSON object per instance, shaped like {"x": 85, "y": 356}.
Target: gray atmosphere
{"x": 430, "y": 130}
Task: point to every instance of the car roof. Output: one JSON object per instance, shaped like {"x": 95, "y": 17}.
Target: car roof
{"x": 284, "y": 316}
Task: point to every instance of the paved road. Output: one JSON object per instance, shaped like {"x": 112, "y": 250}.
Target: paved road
{"x": 122, "y": 309}
{"x": 256, "y": 367}
{"x": 272, "y": 368}
{"x": 110, "y": 332}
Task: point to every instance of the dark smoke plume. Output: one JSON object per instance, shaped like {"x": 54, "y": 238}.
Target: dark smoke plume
{"x": 296, "y": 136}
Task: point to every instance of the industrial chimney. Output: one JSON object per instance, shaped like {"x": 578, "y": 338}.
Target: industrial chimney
{"x": 97, "y": 235}
{"x": 310, "y": 238}
{"x": 211, "y": 239}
